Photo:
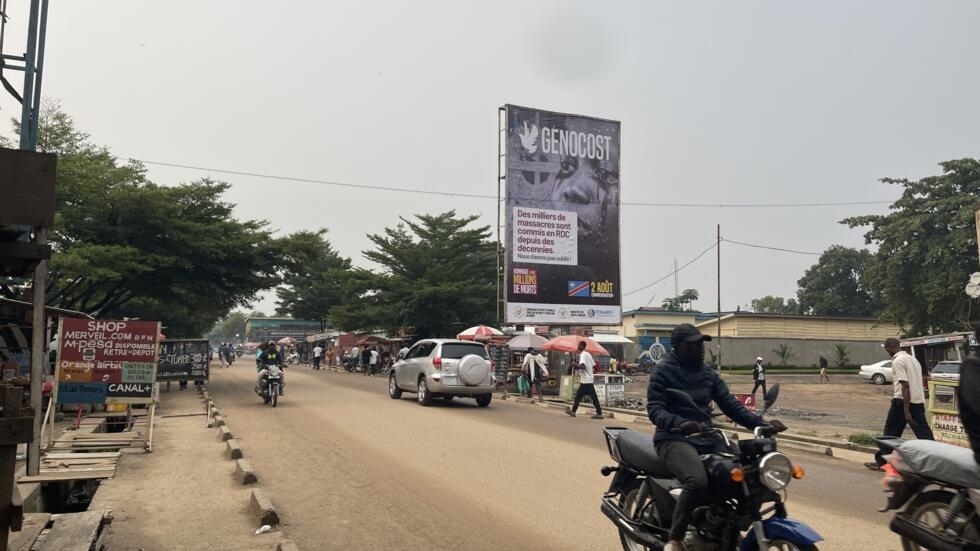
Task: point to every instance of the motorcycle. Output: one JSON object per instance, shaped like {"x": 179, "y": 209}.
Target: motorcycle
{"x": 271, "y": 385}
{"x": 387, "y": 365}
{"x": 641, "y": 498}
{"x": 935, "y": 489}
{"x": 349, "y": 364}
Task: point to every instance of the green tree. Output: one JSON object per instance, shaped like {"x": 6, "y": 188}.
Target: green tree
{"x": 837, "y": 285}
{"x": 681, "y": 302}
{"x": 927, "y": 249}
{"x": 843, "y": 356}
{"x": 437, "y": 277}
{"x": 775, "y": 305}
{"x": 785, "y": 353}
{"x": 233, "y": 324}
{"x": 315, "y": 277}
{"x": 126, "y": 247}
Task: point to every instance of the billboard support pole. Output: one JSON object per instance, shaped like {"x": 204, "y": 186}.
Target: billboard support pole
{"x": 718, "y": 256}
{"x": 501, "y": 177}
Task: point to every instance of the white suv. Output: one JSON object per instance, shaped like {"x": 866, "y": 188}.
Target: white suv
{"x": 443, "y": 368}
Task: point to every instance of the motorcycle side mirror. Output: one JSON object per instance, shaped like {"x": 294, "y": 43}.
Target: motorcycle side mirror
{"x": 770, "y": 397}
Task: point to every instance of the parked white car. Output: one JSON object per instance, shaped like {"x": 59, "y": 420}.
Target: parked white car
{"x": 878, "y": 373}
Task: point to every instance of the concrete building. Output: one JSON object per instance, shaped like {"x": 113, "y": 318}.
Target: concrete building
{"x": 803, "y": 339}
{"x": 746, "y": 335}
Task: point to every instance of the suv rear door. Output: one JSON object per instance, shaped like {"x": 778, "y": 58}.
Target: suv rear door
{"x": 452, "y": 352}
{"x": 408, "y": 374}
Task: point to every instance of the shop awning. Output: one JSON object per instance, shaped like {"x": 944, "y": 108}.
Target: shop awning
{"x": 610, "y": 338}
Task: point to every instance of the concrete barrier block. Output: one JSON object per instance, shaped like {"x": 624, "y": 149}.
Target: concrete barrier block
{"x": 224, "y": 433}
{"x": 244, "y": 472}
{"x": 263, "y": 509}
{"x": 286, "y": 545}
{"x": 219, "y": 421}
{"x": 234, "y": 449}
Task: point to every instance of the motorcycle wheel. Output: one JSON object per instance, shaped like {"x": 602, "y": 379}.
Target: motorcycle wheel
{"x": 646, "y": 511}
{"x": 932, "y": 508}
{"x": 783, "y": 545}
{"x": 275, "y": 395}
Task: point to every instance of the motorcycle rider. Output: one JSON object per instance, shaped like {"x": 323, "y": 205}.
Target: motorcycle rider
{"x": 267, "y": 357}
{"x": 677, "y": 443}
{"x": 969, "y": 396}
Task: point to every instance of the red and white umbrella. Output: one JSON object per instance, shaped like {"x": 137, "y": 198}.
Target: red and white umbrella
{"x": 478, "y": 332}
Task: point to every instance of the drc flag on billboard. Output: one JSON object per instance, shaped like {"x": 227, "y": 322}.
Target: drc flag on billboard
{"x": 578, "y": 289}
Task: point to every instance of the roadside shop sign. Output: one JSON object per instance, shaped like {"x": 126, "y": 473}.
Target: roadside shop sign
{"x": 106, "y": 361}
{"x": 183, "y": 360}
{"x": 948, "y": 428}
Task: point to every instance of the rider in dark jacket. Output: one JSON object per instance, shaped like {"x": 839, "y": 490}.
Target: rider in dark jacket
{"x": 684, "y": 369}
{"x": 969, "y": 396}
{"x": 268, "y": 357}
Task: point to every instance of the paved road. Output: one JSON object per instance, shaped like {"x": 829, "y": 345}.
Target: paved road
{"x": 351, "y": 469}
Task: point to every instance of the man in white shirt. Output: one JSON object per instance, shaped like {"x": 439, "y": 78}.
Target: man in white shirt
{"x": 908, "y": 400}
{"x": 585, "y": 368}
{"x": 317, "y": 352}
{"x": 355, "y": 354}
{"x": 373, "y": 361}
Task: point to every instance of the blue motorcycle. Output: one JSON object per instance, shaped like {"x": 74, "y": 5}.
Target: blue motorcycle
{"x": 745, "y": 510}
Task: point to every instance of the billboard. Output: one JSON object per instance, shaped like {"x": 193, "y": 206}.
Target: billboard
{"x": 184, "y": 360}
{"x": 106, "y": 361}
{"x": 562, "y": 218}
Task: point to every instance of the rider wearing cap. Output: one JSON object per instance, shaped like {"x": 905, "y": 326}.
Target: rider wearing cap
{"x": 679, "y": 447}
{"x": 268, "y": 357}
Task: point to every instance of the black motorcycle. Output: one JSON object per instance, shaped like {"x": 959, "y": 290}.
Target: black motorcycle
{"x": 744, "y": 486}
{"x": 935, "y": 488}
{"x": 271, "y": 386}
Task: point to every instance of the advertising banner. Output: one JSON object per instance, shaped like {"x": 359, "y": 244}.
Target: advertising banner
{"x": 106, "y": 361}
{"x": 562, "y": 218}
{"x": 183, "y": 360}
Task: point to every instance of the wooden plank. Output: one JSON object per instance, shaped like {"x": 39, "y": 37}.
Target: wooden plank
{"x": 24, "y": 539}
{"x": 73, "y": 531}
{"x": 80, "y": 462}
{"x": 85, "y": 455}
{"x": 67, "y": 475}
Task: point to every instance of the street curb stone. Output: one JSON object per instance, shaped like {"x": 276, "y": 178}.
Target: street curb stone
{"x": 243, "y": 470}
{"x": 224, "y": 433}
{"x": 219, "y": 421}
{"x": 234, "y": 449}
{"x": 263, "y": 509}
{"x": 287, "y": 545}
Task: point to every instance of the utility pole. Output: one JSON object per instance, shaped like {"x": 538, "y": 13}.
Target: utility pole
{"x": 718, "y": 257}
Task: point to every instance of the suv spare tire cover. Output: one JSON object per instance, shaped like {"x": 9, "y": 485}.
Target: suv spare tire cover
{"x": 473, "y": 369}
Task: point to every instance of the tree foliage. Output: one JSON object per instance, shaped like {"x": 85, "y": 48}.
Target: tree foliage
{"x": 315, "y": 277}
{"x": 437, "y": 277}
{"x": 232, "y": 327}
{"x": 927, "y": 249}
{"x": 681, "y": 302}
{"x": 126, "y": 247}
{"x": 775, "y": 305}
{"x": 837, "y": 285}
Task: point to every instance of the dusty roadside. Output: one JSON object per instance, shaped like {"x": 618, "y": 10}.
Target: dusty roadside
{"x": 184, "y": 494}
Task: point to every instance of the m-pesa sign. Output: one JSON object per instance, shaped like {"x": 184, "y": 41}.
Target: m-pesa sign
{"x": 106, "y": 361}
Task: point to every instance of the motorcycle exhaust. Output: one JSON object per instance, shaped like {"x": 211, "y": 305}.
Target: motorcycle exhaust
{"x": 927, "y": 537}
{"x": 629, "y": 527}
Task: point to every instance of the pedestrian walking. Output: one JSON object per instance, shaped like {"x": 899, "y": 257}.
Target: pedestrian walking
{"x": 317, "y": 352}
{"x": 355, "y": 354}
{"x": 372, "y": 361}
{"x": 908, "y": 400}
{"x": 536, "y": 371}
{"x": 759, "y": 376}
{"x": 586, "y": 368}
{"x": 823, "y": 370}
{"x": 331, "y": 353}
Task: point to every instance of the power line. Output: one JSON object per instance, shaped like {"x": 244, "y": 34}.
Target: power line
{"x": 698, "y": 257}
{"x": 493, "y": 197}
{"x": 769, "y": 248}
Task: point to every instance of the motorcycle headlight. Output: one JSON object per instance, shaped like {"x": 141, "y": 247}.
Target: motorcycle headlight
{"x": 775, "y": 471}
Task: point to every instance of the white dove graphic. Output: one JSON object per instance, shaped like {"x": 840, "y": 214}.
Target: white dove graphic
{"x": 529, "y": 137}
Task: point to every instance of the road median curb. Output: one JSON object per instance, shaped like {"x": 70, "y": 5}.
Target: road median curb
{"x": 224, "y": 434}
{"x": 287, "y": 545}
{"x": 244, "y": 472}
{"x": 262, "y": 507}
{"x": 234, "y": 449}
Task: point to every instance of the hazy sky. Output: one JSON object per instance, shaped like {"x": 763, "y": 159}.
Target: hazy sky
{"x": 720, "y": 103}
